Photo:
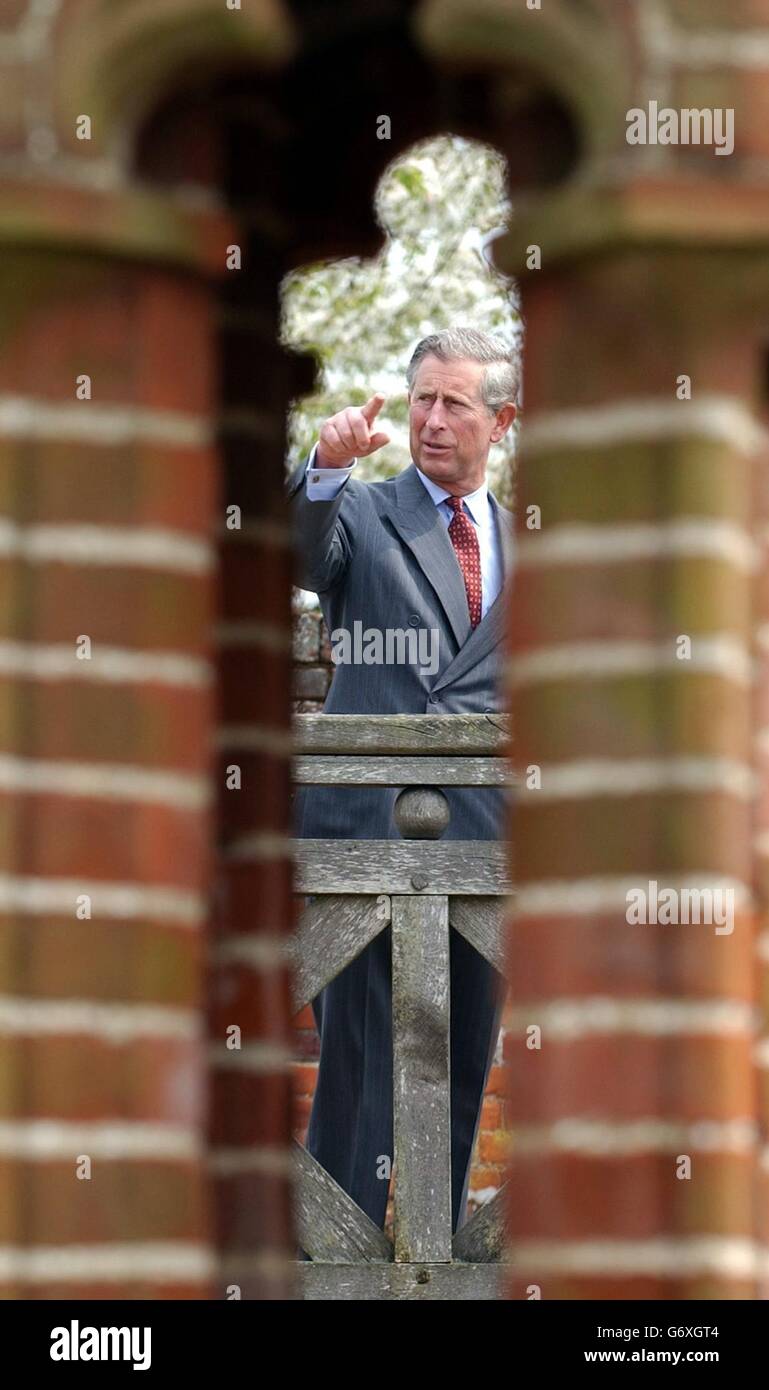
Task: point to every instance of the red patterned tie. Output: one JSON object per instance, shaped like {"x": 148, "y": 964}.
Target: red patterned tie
{"x": 465, "y": 542}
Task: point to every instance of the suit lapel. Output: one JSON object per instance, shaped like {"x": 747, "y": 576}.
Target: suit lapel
{"x": 505, "y": 523}
{"x": 416, "y": 519}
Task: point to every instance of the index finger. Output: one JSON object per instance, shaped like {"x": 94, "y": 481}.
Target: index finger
{"x": 373, "y": 406}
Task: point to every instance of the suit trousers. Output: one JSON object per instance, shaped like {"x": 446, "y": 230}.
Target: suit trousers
{"x": 351, "y": 1123}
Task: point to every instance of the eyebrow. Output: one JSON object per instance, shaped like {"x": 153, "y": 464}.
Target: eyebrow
{"x": 451, "y": 395}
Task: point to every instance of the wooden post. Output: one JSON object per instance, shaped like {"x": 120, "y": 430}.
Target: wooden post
{"x": 421, "y": 1098}
{"x": 421, "y": 1052}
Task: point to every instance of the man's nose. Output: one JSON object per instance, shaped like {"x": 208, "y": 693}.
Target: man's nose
{"x": 435, "y": 415}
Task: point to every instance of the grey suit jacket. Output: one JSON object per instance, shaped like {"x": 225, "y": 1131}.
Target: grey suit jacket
{"x": 380, "y": 555}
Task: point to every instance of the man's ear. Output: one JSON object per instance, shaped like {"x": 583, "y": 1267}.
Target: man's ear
{"x": 504, "y": 420}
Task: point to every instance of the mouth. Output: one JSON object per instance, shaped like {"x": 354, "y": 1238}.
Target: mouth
{"x": 437, "y": 449}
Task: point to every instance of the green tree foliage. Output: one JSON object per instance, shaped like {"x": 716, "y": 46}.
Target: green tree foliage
{"x": 440, "y": 206}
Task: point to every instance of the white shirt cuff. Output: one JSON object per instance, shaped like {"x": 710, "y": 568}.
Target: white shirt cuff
{"x": 323, "y": 484}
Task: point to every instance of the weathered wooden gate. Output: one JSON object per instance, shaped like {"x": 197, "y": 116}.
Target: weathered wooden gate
{"x": 419, "y": 887}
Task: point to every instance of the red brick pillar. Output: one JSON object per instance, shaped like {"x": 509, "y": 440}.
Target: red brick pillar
{"x": 109, "y": 491}
{"x": 761, "y": 840}
{"x": 247, "y": 994}
{"x": 631, "y": 1054}
{"x": 250, "y": 995}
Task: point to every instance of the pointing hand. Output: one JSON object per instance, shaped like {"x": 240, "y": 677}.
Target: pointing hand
{"x": 350, "y": 434}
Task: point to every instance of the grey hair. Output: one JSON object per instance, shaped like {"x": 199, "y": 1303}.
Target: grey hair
{"x": 499, "y": 381}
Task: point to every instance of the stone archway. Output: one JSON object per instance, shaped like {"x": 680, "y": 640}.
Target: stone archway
{"x": 251, "y": 134}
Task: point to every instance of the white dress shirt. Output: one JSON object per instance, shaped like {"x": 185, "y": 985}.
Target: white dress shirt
{"x": 323, "y": 484}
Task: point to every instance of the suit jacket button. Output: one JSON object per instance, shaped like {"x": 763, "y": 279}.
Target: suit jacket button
{"x": 413, "y": 620}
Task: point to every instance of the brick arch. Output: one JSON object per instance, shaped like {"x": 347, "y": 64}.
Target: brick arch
{"x": 576, "y": 52}
{"x": 235, "y": 134}
{"x": 116, "y": 62}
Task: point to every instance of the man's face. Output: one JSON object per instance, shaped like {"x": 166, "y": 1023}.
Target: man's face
{"x": 450, "y": 428}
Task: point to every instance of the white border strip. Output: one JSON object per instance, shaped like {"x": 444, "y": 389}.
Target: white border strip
{"x": 108, "y": 899}
{"x": 261, "y": 1056}
{"x": 703, "y": 48}
{"x": 146, "y": 547}
{"x": 624, "y": 1138}
{"x": 85, "y": 422}
{"x": 106, "y": 781}
{"x": 255, "y": 738}
{"x": 683, "y": 538}
{"x": 723, "y": 418}
{"x": 761, "y": 740}
{"x": 677, "y": 1258}
{"x": 570, "y": 1020}
{"x": 267, "y": 1159}
{"x": 111, "y": 1021}
{"x": 761, "y": 842}
{"x": 26, "y": 42}
{"x": 114, "y": 1140}
{"x": 57, "y": 661}
{"x": 558, "y": 897}
{"x": 761, "y": 637}
{"x": 591, "y": 777}
{"x": 255, "y": 951}
{"x": 721, "y": 655}
{"x": 259, "y": 846}
{"x": 157, "y": 1262}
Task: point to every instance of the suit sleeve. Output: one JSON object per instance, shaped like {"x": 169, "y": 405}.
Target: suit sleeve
{"x": 322, "y": 528}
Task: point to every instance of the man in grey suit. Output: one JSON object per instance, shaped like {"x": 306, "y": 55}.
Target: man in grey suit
{"x": 428, "y": 550}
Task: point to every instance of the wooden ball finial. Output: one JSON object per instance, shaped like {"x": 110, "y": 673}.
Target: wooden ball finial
{"x": 421, "y": 813}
